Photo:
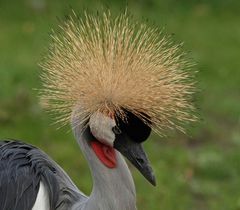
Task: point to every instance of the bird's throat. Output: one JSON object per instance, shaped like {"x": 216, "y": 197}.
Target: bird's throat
{"x": 106, "y": 154}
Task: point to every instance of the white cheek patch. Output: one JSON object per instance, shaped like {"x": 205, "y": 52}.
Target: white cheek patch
{"x": 101, "y": 128}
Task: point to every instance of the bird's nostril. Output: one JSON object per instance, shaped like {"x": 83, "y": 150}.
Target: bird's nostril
{"x": 140, "y": 161}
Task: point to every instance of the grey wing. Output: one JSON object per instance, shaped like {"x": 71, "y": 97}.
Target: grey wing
{"x": 22, "y": 168}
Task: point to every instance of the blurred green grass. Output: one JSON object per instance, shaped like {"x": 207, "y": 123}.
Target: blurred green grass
{"x": 196, "y": 171}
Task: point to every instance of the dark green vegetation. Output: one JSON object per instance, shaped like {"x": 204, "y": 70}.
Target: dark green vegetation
{"x": 196, "y": 171}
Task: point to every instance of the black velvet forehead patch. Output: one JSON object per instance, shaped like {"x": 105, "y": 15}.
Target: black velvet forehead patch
{"x": 135, "y": 128}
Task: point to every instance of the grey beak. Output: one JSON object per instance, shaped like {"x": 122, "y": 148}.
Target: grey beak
{"x": 135, "y": 154}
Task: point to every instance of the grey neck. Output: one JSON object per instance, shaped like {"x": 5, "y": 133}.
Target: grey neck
{"x": 112, "y": 188}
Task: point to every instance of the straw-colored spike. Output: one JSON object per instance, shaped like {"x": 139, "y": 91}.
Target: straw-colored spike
{"x": 102, "y": 63}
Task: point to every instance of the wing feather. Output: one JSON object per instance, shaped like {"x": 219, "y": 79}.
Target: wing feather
{"x": 22, "y": 168}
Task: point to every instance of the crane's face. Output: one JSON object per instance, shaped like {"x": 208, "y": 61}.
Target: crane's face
{"x": 124, "y": 137}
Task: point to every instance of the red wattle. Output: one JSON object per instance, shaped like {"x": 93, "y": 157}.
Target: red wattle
{"x": 105, "y": 154}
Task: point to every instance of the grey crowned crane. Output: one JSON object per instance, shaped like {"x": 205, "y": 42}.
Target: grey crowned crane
{"x": 114, "y": 80}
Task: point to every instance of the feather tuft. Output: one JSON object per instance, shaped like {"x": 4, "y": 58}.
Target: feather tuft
{"x": 111, "y": 64}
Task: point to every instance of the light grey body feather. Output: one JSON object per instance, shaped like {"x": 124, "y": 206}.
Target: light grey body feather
{"x": 113, "y": 189}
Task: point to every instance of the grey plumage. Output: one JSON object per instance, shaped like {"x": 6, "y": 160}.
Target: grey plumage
{"x": 22, "y": 167}
{"x": 112, "y": 189}
{"x": 28, "y": 165}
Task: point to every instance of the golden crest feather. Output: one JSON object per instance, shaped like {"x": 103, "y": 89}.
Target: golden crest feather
{"x": 107, "y": 64}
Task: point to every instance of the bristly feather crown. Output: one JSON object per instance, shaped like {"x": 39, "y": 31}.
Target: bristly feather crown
{"x": 107, "y": 64}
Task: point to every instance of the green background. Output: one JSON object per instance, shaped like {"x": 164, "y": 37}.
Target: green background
{"x": 197, "y": 171}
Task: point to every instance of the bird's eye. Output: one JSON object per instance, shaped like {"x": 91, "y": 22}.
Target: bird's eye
{"x": 116, "y": 130}
{"x": 135, "y": 128}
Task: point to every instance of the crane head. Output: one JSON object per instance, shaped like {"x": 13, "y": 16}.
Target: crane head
{"x": 126, "y": 137}
{"x": 135, "y": 72}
